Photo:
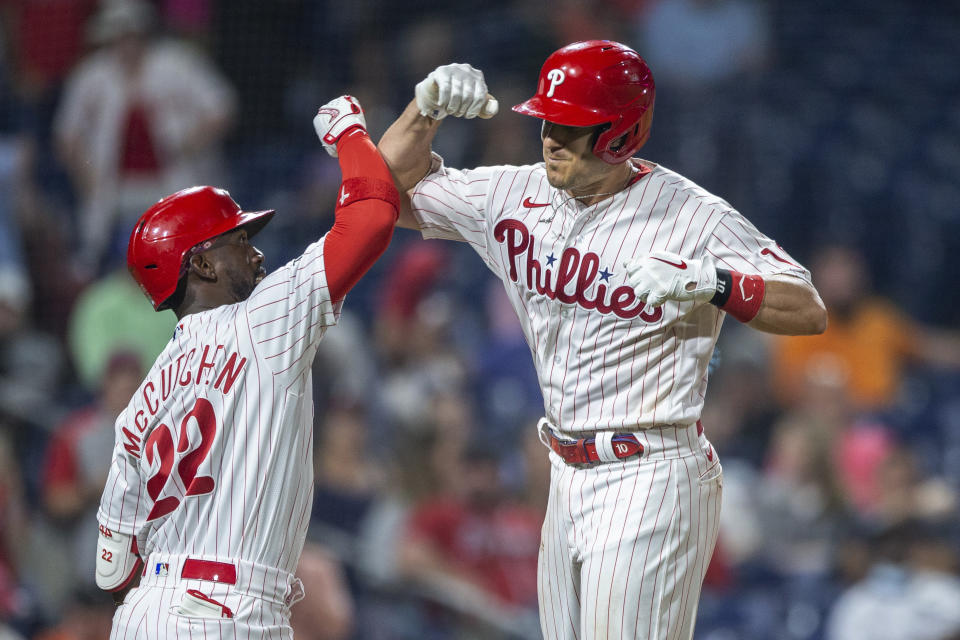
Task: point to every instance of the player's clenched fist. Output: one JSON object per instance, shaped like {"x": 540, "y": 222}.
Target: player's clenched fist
{"x": 455, "y": 90}
{"x": 335, "y": 119}
{"x": 662, "y": 276}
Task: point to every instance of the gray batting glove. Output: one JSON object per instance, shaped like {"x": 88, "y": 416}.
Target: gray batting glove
{"x": 336, "y": 118}
{"x": 662, "y": 276}
{"x": 455, "y": 90}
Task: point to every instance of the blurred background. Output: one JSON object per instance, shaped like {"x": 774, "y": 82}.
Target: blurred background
{"x": 833, "y": 125}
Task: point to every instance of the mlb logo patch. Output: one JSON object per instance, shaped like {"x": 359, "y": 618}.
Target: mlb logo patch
{"x": 162, "y": 569}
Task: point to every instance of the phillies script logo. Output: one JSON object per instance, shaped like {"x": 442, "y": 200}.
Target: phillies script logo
{"x": 581, "y": 270}
{"x": 555, "y": 76}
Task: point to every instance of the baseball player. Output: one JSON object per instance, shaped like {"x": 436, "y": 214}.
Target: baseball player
{"x": 211, "y": 482}
{"x": 621, "y": 272}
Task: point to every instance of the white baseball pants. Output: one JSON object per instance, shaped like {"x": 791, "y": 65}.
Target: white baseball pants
{"x": 625, "y": 545}
{"x": 258, "y": 604}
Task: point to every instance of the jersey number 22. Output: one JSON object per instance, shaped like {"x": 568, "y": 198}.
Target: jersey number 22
{"x": 161, "y": 441}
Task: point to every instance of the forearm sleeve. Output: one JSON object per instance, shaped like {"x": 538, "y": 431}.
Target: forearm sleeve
{"x": 367, "y": 208}
{"x": 359, "y": 236}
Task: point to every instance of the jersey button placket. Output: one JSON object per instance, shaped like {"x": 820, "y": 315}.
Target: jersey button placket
{"x": 577, "y": 224}
{"x": 560, "y": 320}
{"x": 553, "y": 319}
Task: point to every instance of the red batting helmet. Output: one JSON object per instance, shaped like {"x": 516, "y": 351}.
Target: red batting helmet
{"x": 174, "y": 225}
{"x": 597, "y": 82}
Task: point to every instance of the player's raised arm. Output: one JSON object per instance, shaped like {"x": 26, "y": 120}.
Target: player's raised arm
{"x": 293, "y": 307}
{"x": 367, "y": 203}
{"x": 406, "y": 147}
{"x": 454, "y": 89}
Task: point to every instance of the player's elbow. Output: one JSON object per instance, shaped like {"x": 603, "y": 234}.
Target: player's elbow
{"x": 382, "y": 228}
{"x": 820, "y": 323}
{"x": 817, "y": 312}
{"x": 811, "y": 314}
{"x": 814, "y": 319}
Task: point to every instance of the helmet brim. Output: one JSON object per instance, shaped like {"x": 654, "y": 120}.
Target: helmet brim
{"x": 254, "y": 221}
{"x": 562, "y": 113}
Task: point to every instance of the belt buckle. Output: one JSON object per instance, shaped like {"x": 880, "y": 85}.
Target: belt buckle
{"x": 579, "y": 445}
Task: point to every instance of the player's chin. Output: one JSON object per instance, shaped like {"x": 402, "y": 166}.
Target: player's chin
{"x": 556, "y": 178}
{"x": 243, "y": 290}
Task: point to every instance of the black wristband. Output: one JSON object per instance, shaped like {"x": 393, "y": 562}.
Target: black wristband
{"x": 724, "y": 288}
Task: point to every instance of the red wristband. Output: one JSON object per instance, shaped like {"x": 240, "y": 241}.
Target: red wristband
{"x": 746, "y": 296}
{"x": 354, "y": 189}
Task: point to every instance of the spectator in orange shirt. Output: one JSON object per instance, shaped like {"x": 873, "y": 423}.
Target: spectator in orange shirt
{"x": 867, "y": 337}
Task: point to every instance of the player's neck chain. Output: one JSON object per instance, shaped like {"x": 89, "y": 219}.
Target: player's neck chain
{"x": 563, "y": 203}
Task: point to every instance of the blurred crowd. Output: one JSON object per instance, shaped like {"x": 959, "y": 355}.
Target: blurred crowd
{"x": 833, "y": 126}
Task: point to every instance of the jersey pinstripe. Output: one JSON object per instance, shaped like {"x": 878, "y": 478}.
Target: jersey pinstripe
{"x": 603, "y": 361}
{"x": 625, "y": 544}
{"x": 213, "y": 454}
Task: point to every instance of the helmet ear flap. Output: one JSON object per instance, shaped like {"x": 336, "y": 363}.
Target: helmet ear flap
{"x": 618, "y": 144}
{"x": 611, "y": 141}
{"x": 597, "y": 132}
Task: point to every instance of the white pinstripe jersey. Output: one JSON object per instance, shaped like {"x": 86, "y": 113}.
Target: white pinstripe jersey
{"x": 602, "y": 363}
{"x": 213, "y": 455}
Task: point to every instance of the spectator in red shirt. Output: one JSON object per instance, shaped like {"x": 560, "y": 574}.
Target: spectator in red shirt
{"x": 476, "y": 550}
{"x": 140, "y": 117}
{"x": 45, "y": 40}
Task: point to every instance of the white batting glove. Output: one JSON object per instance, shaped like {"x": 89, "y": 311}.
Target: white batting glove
{"x": 336, "y": 118}
{"x": 662, "y": 276}
{"x": 455, "y": 90}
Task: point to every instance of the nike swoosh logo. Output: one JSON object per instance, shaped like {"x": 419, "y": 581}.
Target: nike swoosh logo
{"x": 681, "y": 265}
{"x": 768, "y": 252}
{"x": 533, "y": 205}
